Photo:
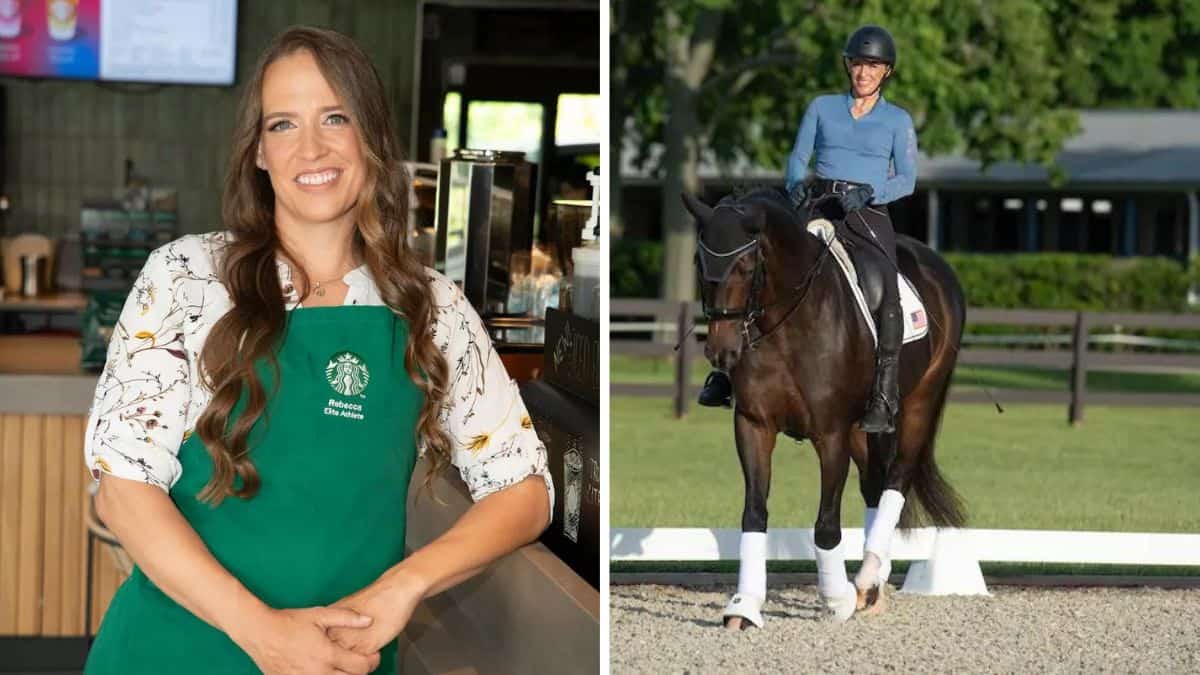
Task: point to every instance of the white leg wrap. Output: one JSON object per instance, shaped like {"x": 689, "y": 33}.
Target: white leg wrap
{"x": 885, "y": 567}
{"x": 747, "y": 607}
{"x": 879, "y": 525}
{"x": 752, "y": 579}
{"x": 879, "y": 536}
{"x": 752, "y": 568}
{"x": 835, "y": 589}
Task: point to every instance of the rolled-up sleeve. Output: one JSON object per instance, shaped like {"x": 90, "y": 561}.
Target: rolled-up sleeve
{"x": 904, "y": 162}
{"x": 135, "y": 425}
{"x": 494, "y": 442}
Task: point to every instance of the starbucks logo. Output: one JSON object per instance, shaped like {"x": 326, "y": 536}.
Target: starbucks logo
{"x": 347, "y": 374}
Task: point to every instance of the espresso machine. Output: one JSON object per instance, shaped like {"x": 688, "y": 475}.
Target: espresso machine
{"x": 485, "y": 207}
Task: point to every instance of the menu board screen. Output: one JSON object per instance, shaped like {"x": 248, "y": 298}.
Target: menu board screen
{"x": 177, "y": 41}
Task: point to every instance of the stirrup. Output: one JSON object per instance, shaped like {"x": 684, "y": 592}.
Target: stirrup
{"x": 717, "y": 391}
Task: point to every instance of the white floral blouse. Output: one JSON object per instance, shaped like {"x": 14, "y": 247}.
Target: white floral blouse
{"x": 149, "y": 394}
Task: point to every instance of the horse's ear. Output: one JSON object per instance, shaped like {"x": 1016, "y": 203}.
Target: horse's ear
{"x": 699, "y": 210}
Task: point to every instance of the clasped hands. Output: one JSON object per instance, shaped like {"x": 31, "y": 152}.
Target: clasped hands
{"x": 389, "y": 602}
{"x": 345, "y": 637}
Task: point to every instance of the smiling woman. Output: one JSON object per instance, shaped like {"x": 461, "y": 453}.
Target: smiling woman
{"x": 269, "y": 388}
{"x": 309, "y": 147}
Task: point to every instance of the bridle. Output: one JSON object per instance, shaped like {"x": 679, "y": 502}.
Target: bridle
{"x": 716, "y": 266}
{"x": 718, "y": 273}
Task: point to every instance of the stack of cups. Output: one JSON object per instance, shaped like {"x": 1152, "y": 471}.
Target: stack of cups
{"x": 585, "y": 282}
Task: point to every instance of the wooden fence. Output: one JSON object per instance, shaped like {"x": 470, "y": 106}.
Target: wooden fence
{"x": 674, "y": 319}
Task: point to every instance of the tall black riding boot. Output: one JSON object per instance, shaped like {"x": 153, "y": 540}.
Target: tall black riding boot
{"x": 885, "y": 394}
{"x": 717, "y": 391}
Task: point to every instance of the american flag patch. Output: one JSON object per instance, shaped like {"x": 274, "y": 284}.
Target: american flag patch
{"x": 918, "y": 319}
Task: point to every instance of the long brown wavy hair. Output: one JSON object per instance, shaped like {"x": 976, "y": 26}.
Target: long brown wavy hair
{"x": 254, "y": 327}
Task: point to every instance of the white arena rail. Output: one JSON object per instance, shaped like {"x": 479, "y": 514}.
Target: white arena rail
{"x": 1024, "y": 546}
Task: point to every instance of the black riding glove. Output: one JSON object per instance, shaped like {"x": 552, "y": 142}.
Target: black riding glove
{"x": 856, "y": 198}
{"x": 798, "y": 195}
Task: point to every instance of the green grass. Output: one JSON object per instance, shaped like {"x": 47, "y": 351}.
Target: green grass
{"x": 641, "y": 370}
{"x": 1124, "y": 469}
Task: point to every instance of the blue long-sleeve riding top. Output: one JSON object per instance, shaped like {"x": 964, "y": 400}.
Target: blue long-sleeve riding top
{"x": 879, "y": 148}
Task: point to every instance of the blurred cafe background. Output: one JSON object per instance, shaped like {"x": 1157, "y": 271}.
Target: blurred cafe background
{"x": 115, "y": 120}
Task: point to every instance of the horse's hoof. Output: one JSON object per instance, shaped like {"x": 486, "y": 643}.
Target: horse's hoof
{"x": 871, "y": 601}
{"x": 840, "y": 609}
{"x": 737, "y": 624}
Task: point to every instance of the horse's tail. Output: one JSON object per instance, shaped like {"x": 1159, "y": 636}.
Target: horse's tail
{"x": 941, "y": 504}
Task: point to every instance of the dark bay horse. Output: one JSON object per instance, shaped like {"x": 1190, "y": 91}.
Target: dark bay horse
{"x": 784, "y": 325}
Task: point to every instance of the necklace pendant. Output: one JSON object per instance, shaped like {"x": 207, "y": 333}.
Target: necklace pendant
{"x": 319, "y": 291}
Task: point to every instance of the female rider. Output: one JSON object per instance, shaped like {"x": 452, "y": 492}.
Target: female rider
{"x": 866, "y": 152}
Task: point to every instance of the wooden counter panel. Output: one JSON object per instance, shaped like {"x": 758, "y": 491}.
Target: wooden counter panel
{"x": 31, "y": 533}
{"x": 40, "y": 354}
{"x": 105, "y": 581}
{"x": 43, "y": 537}
{"x": 53, "y": 470}
{"x": 73, "y": 564}
{"x": 10, "y": 519}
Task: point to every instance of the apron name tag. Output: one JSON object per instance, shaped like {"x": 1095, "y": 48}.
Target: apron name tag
{"x": 336, "y": 408}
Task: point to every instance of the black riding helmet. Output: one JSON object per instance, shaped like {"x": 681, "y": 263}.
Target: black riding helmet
{"x": 871, "y": 42}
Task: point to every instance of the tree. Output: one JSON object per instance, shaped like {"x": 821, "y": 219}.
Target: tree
{"x": 731, "y": 80}
{"x": 1128, "y": 53}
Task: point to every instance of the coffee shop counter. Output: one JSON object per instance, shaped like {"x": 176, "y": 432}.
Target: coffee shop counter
{"x": 528, "y": 613}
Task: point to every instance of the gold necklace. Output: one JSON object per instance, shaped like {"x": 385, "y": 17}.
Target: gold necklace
{"x": 318, "y": 288}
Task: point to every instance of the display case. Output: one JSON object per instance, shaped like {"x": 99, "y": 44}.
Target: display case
{"x": 115, "y": 243}
{"x": 485, "y": 205}
{"x": 565, "y": 409}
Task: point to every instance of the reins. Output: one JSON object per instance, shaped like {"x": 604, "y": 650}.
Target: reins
{"x": 803, "y": 289}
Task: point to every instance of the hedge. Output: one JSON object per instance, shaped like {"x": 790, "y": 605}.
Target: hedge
{"x": 635, "y": 268}
{"x": 1016, "y": 280}
{"x": 1073, "y": 281}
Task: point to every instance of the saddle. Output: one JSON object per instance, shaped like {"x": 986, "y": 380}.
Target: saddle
{"x": 867, "y": 287}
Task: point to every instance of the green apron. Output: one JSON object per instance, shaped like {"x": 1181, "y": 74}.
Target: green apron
{"x": 335, "y": 451}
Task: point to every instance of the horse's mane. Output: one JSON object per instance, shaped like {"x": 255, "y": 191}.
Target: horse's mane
{"x": 771, "y": 193}
{"x": 774, "y": 198}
